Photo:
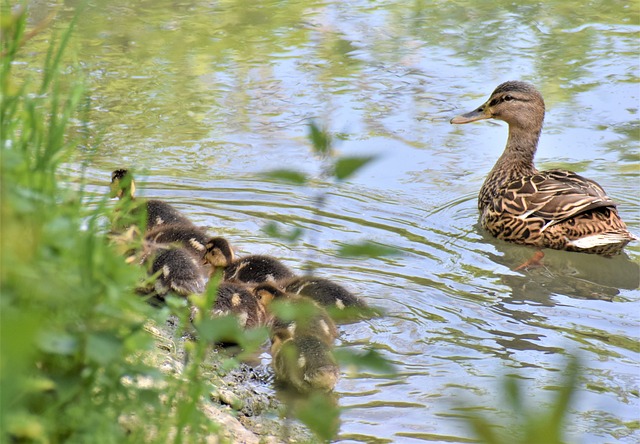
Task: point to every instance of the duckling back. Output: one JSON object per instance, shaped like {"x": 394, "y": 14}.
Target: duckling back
{"x": 186, "y": 235}
{"x": 134, "y": 211}
{"x": 305, "y": 363}
{"x": 180, "y": 272}
{"x": 257, "y": 269}
{"x": 325, "y": 292}
{"x": 161, "y": 213}
{"x": 309, "y": 318}
{"x": 238, "y": 300}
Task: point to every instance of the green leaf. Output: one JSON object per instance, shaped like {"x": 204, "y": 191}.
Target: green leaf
{"x": 320, "y": 139}
{"x": 272, "y": 229}
{"x": 287, "y": 176}
{"x": 223, "y": 329}
{"x": 58, "y": 343}
{"x": 321, "y": 414}
{"x": 346, "y": 167}
{"x": 367, "y": 249}
{"x": 297, "y": 310}
{"x": 103, "y": 348}
{"x": 369, "y": 359}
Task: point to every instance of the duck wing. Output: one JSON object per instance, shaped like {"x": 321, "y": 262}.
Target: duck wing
{"x": 553, "y": 195}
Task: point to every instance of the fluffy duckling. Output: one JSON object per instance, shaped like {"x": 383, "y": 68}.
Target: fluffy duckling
{"x": 253, "y": 269}
{"x": 157, "y": 211}
{"x": 186, "y": 235}
{"x": 238, "y": 300}
{"x": 325, "y": 292}
{"x": 305, "y": 363}
{"x": 179, "y": 271}
{"x": 547, "y": 209}
{"x": 309, "y": 319}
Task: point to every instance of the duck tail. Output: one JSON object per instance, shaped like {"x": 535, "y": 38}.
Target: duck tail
{"x": 602, "y": 239}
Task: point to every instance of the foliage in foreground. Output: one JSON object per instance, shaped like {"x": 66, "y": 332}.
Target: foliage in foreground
{"x": 526, "y": 424}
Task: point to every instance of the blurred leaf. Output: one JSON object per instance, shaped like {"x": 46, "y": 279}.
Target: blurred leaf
{"x": 288, "y": 176}
{"x": 58, "y": 343}
{"x": 367, "y": 249}
{"x": 39, "y": 385}
{"x": 294, "y": 310}
{"x": 272, "y": 229}
{"x": 346, "y": 167}
{"x": 103, "y": 347}
{"x": 23, "y": 427}
{"x": 348, "y": 314}
{"x": 223, "y": 329}
{"x": 321, "y": 414}
{"x": 527, "y": 424}
{"x": 320, "y": 139}
{"x": 369, "y": 359}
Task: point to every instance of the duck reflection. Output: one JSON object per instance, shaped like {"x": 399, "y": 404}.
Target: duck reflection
{"x": 576, "y": 275}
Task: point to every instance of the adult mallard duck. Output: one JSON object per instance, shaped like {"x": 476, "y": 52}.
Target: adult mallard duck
{"x": 554, "y": 209}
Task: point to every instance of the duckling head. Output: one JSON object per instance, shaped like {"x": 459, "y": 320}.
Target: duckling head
{"x": 267, "y": 292}
{"x": 515, "y": 102}
{"x": 218, "y": 252}
{"x": 122, "y": 184}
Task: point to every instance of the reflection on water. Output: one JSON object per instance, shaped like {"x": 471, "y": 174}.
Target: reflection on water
{"x": 204, "y": 96}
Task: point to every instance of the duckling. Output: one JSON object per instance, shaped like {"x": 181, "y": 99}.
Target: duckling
{"x": 547, "y": 209}
{"x": 157, "y": 211}
{"x": 304, "y": 363}
{"x": 253, "y": 269}
{"x": 188, "y": 236}
{"x": 237, "y": 299}
{"x": 180, "y": 272}
{"x": 309, "y": 319}
{"x": 325, "y": 292}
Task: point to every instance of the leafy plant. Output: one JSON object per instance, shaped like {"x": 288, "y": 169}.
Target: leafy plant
{"x": 319, "y": 411}
{"x": 528, "y": 425}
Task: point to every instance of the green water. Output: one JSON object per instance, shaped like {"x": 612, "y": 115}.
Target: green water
{"x": 204, "y": 96}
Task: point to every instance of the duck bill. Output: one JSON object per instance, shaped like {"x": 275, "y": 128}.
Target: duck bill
{"x": 477, "y": 114}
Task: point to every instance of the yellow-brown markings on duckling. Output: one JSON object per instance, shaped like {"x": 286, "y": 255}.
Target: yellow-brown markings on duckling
{"x": 195, "y": 244}
{"x": 236, "y": 300}
{"x": 325, "y": 327}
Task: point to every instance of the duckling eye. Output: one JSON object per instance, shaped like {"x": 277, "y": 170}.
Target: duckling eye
{"x": 508, "y": 98}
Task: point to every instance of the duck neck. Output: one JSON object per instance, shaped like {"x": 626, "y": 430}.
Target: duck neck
{"x": 515, "y": 162}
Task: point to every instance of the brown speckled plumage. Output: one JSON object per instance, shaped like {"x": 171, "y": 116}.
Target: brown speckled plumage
{"x": 554, "y": 209}
{"x": 253, "y": 269}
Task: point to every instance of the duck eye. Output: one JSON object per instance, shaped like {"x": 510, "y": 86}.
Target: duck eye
{"x": 508, "y": 98}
